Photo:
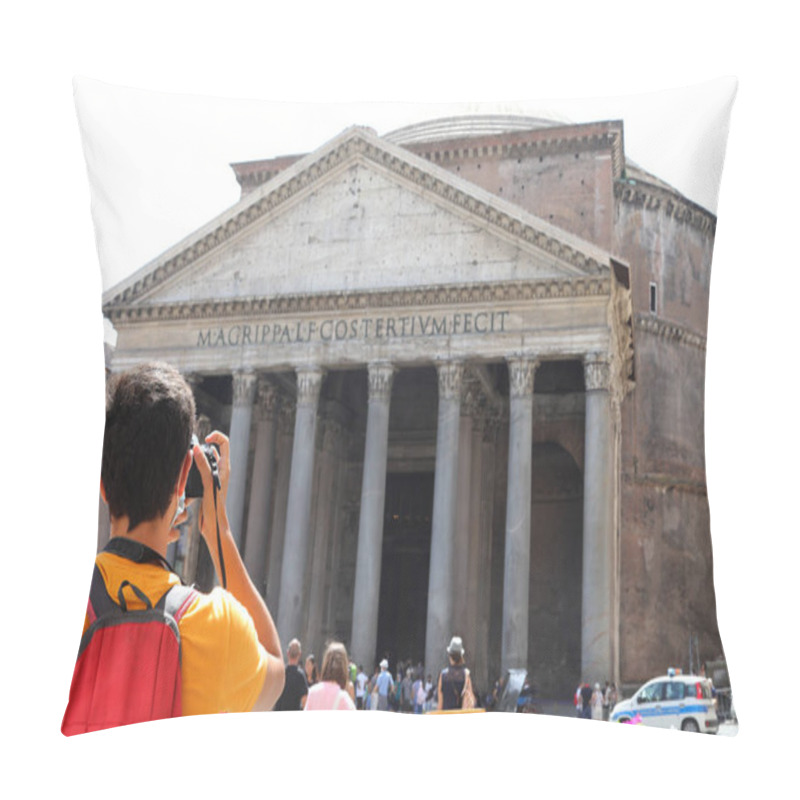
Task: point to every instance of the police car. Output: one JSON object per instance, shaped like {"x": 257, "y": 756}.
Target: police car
{"x": 683, "y": 702}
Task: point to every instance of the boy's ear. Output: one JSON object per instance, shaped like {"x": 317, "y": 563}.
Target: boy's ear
{"x": 103, "y": 492}
{"x": 184, "y": 474}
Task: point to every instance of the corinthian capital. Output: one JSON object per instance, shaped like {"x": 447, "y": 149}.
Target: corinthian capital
{"x": 596, "y": 371}
{"x": 309, "y": 382}
{"x": 521, "y": 372}
{"x": 380, "y": 378}
{"x": 470, "y": 394}
{"x": 244, "y": 388}
{"x": 267, "y": 400}
{"x": 450, "y": 374}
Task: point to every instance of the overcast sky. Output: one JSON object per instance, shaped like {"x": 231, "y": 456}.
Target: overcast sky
{"x": 159, "y": 164}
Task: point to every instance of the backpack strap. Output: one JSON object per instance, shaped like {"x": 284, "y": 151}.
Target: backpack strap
{"x": 100, "y": 601}
{"x": 176, "y": 600}
{"x": 136, "y": 590}
{"x": 135, "y": 551}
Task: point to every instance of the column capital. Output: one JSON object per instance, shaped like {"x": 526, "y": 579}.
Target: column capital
{"x": 450, "y": 375}
{"x": 245, "y": 383}
{"x": 471, "y": 396}
{"x": 597, "y": 371}
{"x": 268, "y": 400}
{"x": 380, "y": 376}
{"x": 309, "y": 383}
{"x": 286, "y": 417}
{"x": 521, "y": 372}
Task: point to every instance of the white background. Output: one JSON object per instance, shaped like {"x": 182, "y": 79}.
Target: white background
{"x": 348, "y": 52}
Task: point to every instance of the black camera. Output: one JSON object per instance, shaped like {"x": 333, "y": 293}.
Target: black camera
{"x": 194, "y": 484}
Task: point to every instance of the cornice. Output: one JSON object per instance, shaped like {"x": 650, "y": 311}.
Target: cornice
{"x": 252, "y": 180}
{"x": 442, "y": 152}
{"x": 499, "y": 216}
{"x": 508, "y": 292}
{"x": 669, "y": 331}
{"x": 655, "y": 198}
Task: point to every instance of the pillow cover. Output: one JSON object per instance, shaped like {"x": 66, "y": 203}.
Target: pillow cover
{"x": 460, "y": 357}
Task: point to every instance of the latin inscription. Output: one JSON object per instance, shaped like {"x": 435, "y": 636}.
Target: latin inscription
{"x": 367, "y": 329}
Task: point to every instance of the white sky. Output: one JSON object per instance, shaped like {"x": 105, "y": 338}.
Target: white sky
{"x": 159, "y": 163}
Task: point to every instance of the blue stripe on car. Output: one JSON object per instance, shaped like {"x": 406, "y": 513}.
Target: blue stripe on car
{"x": 655, "y": 712}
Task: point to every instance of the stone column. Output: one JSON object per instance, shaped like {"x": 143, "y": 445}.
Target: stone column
{"x": 514, "y": 648}
{"x": 339, "y": 587}
{"x": 366, "y": 596}
{"x": 298, "y": 508}
{"x": 244, "y": 393}
{"x": 281, "y": 496}
{"x": 258, "y": 514}
{"x": 598, "y": 628}
{"x": 440, "y": 581}
{"x": 461, "y": 534}
{"x": 323, "y": 536}
{"x": 477, "y": 573}
{"x": 483, "y": 575}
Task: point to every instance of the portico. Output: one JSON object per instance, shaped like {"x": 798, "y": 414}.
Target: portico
{"x": 366, "y": 315}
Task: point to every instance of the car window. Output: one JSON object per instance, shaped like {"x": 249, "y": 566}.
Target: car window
{"x": 674, "y": 691}
{"x": 652, "y": 693}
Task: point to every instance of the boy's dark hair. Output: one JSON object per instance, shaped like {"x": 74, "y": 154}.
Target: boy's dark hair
{"x": 150, "y": 415}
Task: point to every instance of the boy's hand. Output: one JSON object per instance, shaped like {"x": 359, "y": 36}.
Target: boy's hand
{"x": 208, "y": 520}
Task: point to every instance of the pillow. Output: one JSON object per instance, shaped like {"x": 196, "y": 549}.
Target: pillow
{"x": 460, "y": 355}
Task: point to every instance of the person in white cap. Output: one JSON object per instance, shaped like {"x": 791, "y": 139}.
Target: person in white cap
{"x": 454, "y": 681}
{"x": 384, "y": 684}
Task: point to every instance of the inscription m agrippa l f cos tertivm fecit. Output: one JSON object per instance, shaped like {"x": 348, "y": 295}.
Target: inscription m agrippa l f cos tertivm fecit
{"x": 362, "y": 328}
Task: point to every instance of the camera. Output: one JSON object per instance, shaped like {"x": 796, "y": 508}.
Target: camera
{"x": 194, "y": 484}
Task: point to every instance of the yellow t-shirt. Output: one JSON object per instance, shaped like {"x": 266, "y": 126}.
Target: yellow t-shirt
{"x": 223, "y": 665}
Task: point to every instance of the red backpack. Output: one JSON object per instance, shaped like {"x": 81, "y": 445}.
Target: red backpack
{"x": 129, "y": 662}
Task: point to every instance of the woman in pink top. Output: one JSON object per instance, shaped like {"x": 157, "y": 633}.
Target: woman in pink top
{"x": 330, "y": 693}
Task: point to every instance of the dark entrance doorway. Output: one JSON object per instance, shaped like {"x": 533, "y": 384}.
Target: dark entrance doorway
{"x": 404, "y": 570}
{"x": 554, "y": 638}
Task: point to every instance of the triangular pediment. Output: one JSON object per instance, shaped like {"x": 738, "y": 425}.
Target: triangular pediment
{"x": 358, "y": 215}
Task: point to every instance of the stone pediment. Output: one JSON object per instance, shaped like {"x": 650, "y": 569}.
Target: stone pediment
{"x": 359, "y": 215}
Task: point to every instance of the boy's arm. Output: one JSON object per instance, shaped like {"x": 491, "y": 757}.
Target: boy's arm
{"x": 237, "y": 578}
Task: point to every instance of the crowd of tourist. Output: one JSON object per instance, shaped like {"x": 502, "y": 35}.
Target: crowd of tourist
{"x": 342, "y": 684}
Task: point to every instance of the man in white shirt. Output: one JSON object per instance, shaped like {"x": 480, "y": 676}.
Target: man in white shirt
{"x": 384, "y": 684}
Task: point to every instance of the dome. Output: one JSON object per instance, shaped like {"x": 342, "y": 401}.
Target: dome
{"x": 468, "y": 126}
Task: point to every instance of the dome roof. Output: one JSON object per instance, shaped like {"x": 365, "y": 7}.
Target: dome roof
{"x": 468, "y": 126}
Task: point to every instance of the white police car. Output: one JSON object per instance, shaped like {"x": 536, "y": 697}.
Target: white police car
{"x": 684, "y": 702}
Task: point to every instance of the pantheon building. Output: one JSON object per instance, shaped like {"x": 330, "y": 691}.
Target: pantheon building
{"x": 461, "y": 366}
